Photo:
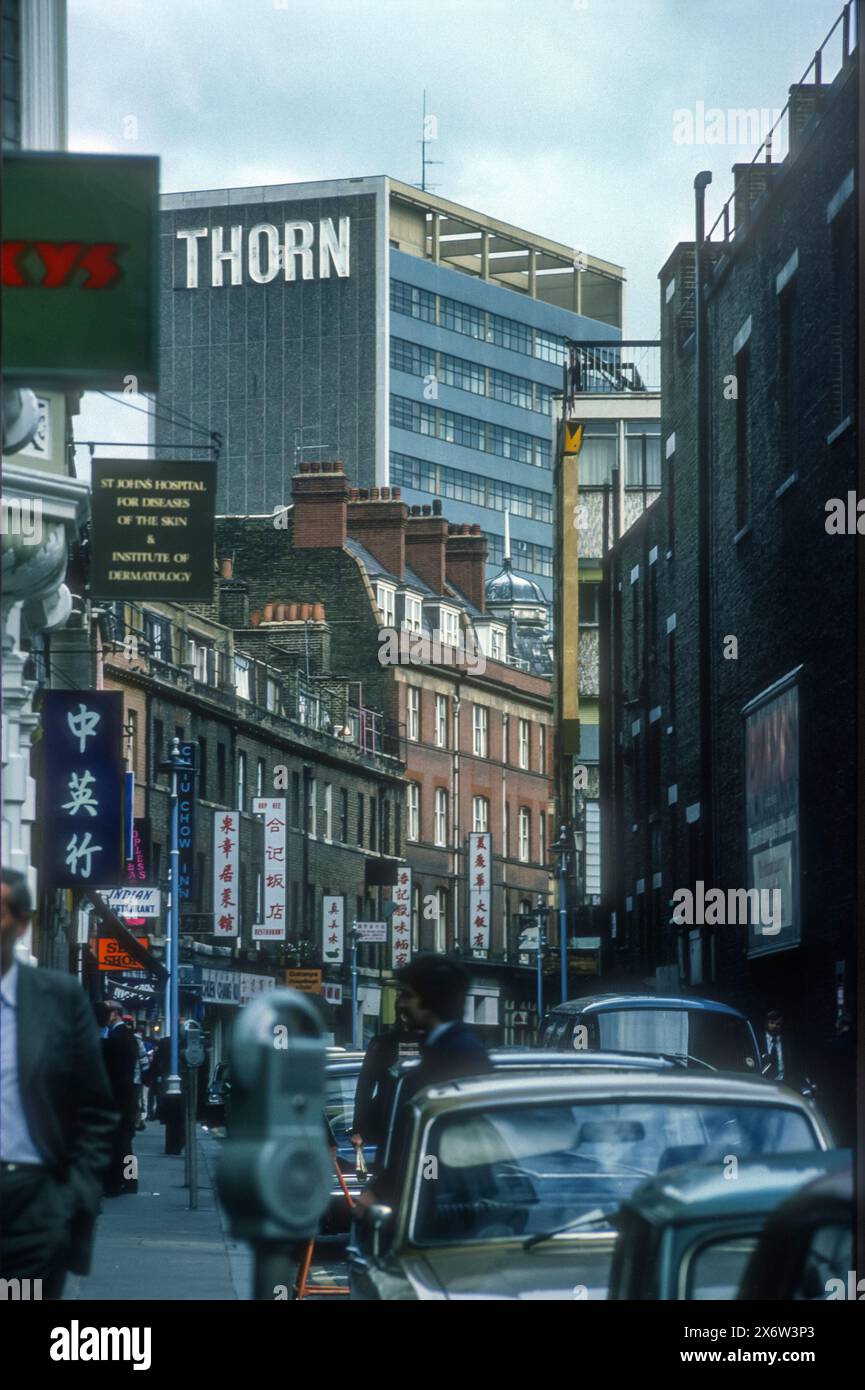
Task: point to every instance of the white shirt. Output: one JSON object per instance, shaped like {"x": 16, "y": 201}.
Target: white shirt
{"x": 16, "y": 1141}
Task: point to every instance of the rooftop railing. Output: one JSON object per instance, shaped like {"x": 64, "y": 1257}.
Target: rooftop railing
{"x": 631, "y": 367}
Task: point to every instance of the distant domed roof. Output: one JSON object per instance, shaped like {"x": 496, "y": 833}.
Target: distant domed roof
{"x": 511, "y": 588}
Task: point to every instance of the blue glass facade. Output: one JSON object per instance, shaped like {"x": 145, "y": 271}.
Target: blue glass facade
{"x": 472, "y": 369}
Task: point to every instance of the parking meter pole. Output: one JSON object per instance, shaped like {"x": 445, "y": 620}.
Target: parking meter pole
{"x": 275, "y": 1174}
{"x": 192, "y": 1137}
{"x": 354, "y": 985}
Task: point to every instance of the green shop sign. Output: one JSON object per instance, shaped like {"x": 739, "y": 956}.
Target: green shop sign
{"x": 80, "y": 270}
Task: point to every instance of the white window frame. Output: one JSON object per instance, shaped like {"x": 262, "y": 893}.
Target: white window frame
{"x": 312, "y": 810}
{"x": 272, "y": 694}
{"x": 480, "y": 814}
{"x": 498, "y": 645}
{"x": 524, "y": 836}
{"x": 524, "y": 743}
{"x": 450, "y": 627}
{"x": 242, "y": 677}
{"x": 412, "y": 614}
{"x": 241, "y": 779}
{"x": 480, "y": 731}
{"x": 412, "y": 713}
{"x": 441, "y": 919}
{"x": 542, "y": 748}
{"x": 441, "y": 734}
{"x": 412, "y": 812}
{"x": 440, "y": 817}
{"x": 385, "y": 597}
{"x": 328, "y": 811}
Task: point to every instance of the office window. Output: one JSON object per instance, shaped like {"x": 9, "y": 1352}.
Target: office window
{"x": 450, "y": 627}
{"x": 260, "y": 777}
{"x": 441, "y": 924}
{"x": 416, "y": 303}
{"x": 480, "y": 730}
{"x": 412, "y": 811}
{"x": 328, "y": 811}
{"x": 524, "y": 743}
{"x": 513, "y": 390}
{"x": 241, "y": 781}
{"x": 221, "y": 771}
{"x": 413, "y": 614}
{"x": 242, "y": 677}
{"x": 311, "y": 807}
{"x": 360, "y": 819}
{"x": 549, "y": 348}
{"x": 463, "y": 375}
{"x": 461, "y": 318}
{"x": 642, "y": 453}
{"x": 413, "y": 416}
{"x": 590, "y": 603}
{"x": 480, "y": 814}
{"x": 441, "y": 721}
{"x": 461, "y": 429}
{"x": 440, "y": 820}
{"x": 343, "y": 815}
{"x": 385, "y": 597}
{"x": 508, "y": 333}
{"x": 598, "y": 453}
{"x": 743, "y": 462}
{"x": 411, "y": 358}
{"x": 412, "y": 693}
{"x": 525, "y": 834}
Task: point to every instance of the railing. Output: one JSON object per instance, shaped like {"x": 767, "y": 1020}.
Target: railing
{"x": 623, "y": 368}
{"x": 833, "y": 53}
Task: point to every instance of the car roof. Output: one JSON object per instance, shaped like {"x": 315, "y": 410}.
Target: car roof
{"x": 835, "y": 1185}
{"x": 597, "y": 1083}
{"x": 546, "y": 1057}
{"x": 599, "y": 1003}
{"x": 702, "y": 1190}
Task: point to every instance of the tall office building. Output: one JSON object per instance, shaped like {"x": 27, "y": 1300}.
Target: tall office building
{"x": 418, "y": 341}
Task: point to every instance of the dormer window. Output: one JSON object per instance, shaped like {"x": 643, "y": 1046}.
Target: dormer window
{"x": 412, "y": 613}
{"x": 385, "y": 597}
{"x": 450, "y": 627}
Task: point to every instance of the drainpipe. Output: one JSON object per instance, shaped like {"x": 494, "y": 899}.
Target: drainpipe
{"x": 704, "y": 482}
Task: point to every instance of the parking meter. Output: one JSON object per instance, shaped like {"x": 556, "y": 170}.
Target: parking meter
{"x": 192, "y": 1044}
{"x": 274, "y": 1179}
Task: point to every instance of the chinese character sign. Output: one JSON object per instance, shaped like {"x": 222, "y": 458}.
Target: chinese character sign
{"x": 333, "y": 929}
{"x": 272, "y": 810}
{"x": 226, "y": 873}
{"x": 83, "y": 798}
{"x": 401, "y": 921}
{"x": 480, "y": 875}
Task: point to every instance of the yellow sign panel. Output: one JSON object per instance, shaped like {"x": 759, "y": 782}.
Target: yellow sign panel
{"x": 307, "y": 981}
{"x": 573, "y": 437}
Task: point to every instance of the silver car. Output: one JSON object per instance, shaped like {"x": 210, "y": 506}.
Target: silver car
{"x": 507, "y": 1184}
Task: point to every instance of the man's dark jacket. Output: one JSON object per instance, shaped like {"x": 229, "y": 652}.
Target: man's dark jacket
{"x": 120, "y": 1051}
{"x": 375, "y": 1084}
{"x": 65, "y": 1094}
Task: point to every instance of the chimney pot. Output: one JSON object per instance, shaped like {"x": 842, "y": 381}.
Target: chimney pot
{"x": 426, "y": 511}
{"x": 318, "y": 612}
{"x": 268, "y": 612}
{"x": 255, "y": 618}
{"x": 437, "y": 508}
{"x": 476, "y": 530}
{"x": 385, "y": 494}
{"x": 227, "y": 567}
{"x": 396, "y": 493}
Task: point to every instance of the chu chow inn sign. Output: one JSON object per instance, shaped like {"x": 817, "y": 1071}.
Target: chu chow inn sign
{"x": 222, "y": 256}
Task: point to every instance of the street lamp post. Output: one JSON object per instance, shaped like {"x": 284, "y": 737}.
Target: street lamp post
{"x": 354, "y": 936}
{"x": 173, "y": 1090}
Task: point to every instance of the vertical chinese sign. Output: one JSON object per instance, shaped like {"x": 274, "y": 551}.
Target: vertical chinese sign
{"x": 186, "y": 821}
{"x": 82, "y": 814}
{"x": 401, "y": 922}
{"x": 480, "y": 890}
{"x": 226, "y": 861}
{"x": 333, "y": 929}
{"x": 272, "y": 928}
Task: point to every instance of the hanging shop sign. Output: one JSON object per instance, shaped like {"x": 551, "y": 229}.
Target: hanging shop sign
{"x": 83, "y": 788}
{"x": 480, "y": 890}
{"x": 333, "y": 929}
{"x": 226, "y": 870}
{"x": 401, "y": 920}
{"x": 272, "y": 811}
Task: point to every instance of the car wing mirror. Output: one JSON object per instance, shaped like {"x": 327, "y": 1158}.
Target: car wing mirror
{"x": 380, "y": 1218}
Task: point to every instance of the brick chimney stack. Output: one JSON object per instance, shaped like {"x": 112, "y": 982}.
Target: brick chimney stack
{"x": 377, "y": 519}
{"x": 320, "y": 491}
{"x": 465, "y": 559}
{"x": 425, "y": 541}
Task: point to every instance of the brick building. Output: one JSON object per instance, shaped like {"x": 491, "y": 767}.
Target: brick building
{"x": 412, "y": 636}
{"x": 728, "y": 609}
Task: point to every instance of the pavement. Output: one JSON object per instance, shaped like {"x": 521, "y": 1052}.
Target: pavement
{"x": 150, "y": 1246}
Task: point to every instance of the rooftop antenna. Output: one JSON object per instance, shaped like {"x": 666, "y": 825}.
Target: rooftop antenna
{"x": 429, "y": 131}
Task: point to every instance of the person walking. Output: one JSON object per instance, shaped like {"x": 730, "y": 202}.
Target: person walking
{"x": 121, "y": 1060}
{"x": 57, "y": 1115}
{"x": 376, "y": 1080}
{"x": 779, "y": 1054}
{"x": 140, "y": 1069}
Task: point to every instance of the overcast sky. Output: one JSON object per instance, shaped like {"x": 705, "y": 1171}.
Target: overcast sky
{"x": 556, "y": 115}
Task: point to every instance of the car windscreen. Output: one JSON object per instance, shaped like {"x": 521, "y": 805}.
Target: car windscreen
{"x": 516, "y": 1171}
{"x": 339, "y": 1104}
{"x": 720, "y": 1040}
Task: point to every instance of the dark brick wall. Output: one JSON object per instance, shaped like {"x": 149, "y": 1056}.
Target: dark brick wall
{"x": 784, "y": 589}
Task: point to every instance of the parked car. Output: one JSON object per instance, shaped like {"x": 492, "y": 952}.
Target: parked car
{"x": 702, "y": 1032}
{"x": 689, "y": 1233}
{"x": 806, "y": 1251}
{"x": 508, "y": 1184}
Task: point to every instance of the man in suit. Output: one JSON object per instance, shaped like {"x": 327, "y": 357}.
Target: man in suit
{"x": 779, "y": 1055}
{"x": 432, "y": 1001}
{"x": 56, "y": 1112}
{"x": 376, "y": 1081}
{"x": 120, "y": 1051}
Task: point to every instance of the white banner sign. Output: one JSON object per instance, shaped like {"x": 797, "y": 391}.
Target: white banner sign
{"x": 251, "y": 986}
{"x": 371, "y": 931}
{"x": 333, "y": 930}
{"x": 272, "y": 928}
{"x": 226, "y": 873}
{"x": 133, "y": 902}
{"x": 480, "y": 877}
{"x": 220, "y": 986}
{"x": 401, "y": 922}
